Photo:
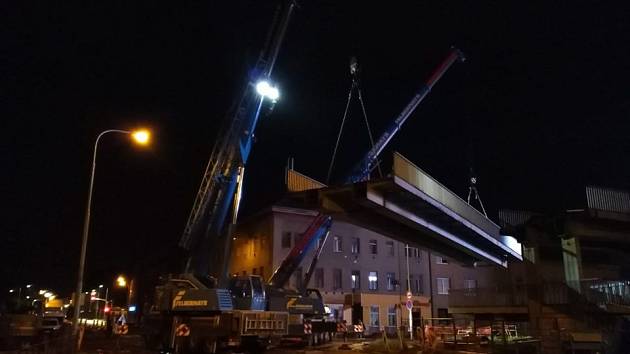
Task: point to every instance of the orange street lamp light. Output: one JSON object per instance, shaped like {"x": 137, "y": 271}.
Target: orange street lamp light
{"x": 121, "y": 281}
{"x": 141, "y": 137}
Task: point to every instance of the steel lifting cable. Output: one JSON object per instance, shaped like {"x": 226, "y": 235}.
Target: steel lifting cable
{"x": 343, "y": 121}
{"x": 367, "y": 124}
{"x": 354, "y": 70}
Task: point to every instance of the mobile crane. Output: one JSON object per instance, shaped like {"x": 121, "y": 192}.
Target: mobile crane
{"x": 361, "y": 172}
{"x": 203, "y": 304}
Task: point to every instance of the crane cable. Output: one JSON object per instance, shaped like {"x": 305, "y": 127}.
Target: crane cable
{"x": 367, "y": 124}
{"x": 355, "y": 84}
{"x": 343, "y": 121}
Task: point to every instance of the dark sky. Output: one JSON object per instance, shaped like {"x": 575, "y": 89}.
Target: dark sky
{"x": 542, "y": 101}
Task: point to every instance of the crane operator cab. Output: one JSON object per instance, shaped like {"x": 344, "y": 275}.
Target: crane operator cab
{"x": 248, "y": 293}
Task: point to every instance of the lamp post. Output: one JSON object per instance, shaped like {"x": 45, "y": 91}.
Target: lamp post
{"x": 141, "y": 137}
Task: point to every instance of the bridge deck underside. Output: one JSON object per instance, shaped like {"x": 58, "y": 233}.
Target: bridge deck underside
{"x": 396, "y": 209}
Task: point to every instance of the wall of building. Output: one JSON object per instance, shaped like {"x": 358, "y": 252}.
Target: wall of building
{"x": 265, "y": 241}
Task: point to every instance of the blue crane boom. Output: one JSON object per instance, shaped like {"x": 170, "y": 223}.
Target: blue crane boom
{"x": 361, "y": 171}
{"x": 206, "y": 236}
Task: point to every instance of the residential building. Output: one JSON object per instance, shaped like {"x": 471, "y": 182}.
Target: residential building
{"x": 361, "y": 274}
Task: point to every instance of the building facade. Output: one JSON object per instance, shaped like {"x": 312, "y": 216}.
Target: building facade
{"x": 360, "y": 274}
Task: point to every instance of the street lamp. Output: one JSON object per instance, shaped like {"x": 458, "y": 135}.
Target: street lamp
{"x": 141, "y": 137}
{"x": 121, "y": 281}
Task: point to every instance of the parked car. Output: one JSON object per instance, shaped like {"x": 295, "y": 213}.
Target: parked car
{"x": 50, "y": 325}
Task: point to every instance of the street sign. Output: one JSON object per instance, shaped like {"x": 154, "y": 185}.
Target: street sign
{"x": 409, "y": 305}
{"x": 182, "y": 330}
{"x": 122, "y": 329}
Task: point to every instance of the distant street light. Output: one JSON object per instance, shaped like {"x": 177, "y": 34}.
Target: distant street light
{"x": 141, "y": 137}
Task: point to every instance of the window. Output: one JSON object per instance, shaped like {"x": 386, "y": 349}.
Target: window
{"x": 443, "y": 313}
{"x": 373, "y": 247}
{"x": 319, "y": 278}
{"x": 470, "y": 284}
{"x": 374, "y": 315}
{"x": 443, "y": 284}
{"x": 286, "y": 239}
{"x": 356, "y": 245}
{"x": 373, "y": 281}
{"x": 391, "y": 281}
{"x": 337, "y": 279}
{"x": 441, "y": 260}
{"x": 337, "y": 244}
{"x": 418, "y": 284}
{"x": 412, "y": 252}
{"x": 298, "y": 278}
{"x": 390, "y": 248}
{"x": 355, "y": 279}
{"x": 391, "y": 316}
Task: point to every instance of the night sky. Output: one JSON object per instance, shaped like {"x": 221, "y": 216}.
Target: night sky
{"x": 540, "y": 107}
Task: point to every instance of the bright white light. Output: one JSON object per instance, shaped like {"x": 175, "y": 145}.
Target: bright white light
{"x": 132, "y": 308}
{"x": 372, "y": 278}
{"x": 42, "y": 292}
{"x": 11, "y": 290}
{"x": 28, "y": 297}
{"x": 100, "y": 286}
{"x": 28, "y": 286}
{"x": 266, "y": 90}
{"x": 47, "y": 295}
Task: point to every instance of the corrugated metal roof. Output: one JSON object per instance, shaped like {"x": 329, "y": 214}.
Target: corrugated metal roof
{"x": 297, "y": 182}
{"x": 514, "y": 217}
{"x": 608, "y": 199}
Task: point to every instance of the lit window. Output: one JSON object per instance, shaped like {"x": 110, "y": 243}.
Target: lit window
{"x": 441, "y": 260}
{"x": 373, "y": 247}
{"x": 356, "y": 245}
{"x": 355, "y": 279}
{"x": 337, "y": 244}
{"x": 443, "y": 285}
{"x": 373, "y": 281}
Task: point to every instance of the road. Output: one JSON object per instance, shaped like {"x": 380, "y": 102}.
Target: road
{"x": 98, "y": 343}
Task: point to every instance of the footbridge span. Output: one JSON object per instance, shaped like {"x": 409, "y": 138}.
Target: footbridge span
{"x": 412, "y": 207}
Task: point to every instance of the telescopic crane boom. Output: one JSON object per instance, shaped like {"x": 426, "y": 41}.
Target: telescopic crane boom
{"x": 206, "y": 236}
{"x": 361, "y": 171}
